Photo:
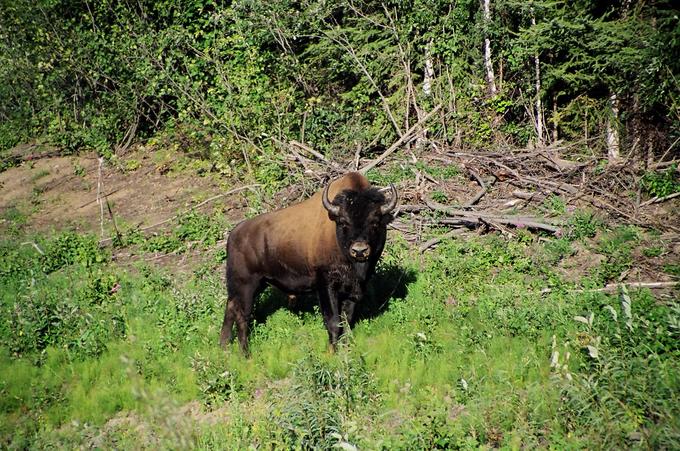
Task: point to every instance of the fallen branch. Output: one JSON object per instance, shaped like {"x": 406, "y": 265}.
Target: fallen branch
{"x": 34, "y": 245}
{"x": 612, "y": 287}
{"x": 302, "y": 160}
{"x": 431, "y": 242}
{"x": 481, "y": 192}
{"x": 505, "y": 220}
{"x": 113, "y": 219}
{"x": 529, "y": 196}
{"x": 405, "y": 208}
{"x": 473, "y": 217}
{"x": 406, "y": 137}
{"x": 656, "y": 200}
{"x": 664, "y": 164}
{"x": 318, "y": 155}
{"x": 233, "y": 191}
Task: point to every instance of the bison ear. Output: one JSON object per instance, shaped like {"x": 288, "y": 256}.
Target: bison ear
{"x": 332, "y": 217}
{"x": 386, "y": 219}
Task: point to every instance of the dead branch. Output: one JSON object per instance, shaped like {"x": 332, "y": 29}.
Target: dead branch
{"x": 344, "y": 43}
{"x": 34, "y": 245}
{"x": 613, "y": 287}
{"x": 233, "y": 191}
{"x": 431, "y": 242}
{"x": 126, "y": 142}
{"x": 505, "y": 220}
{"x": 529, "y": 196}
{"x": 302, "y": 160}
{"x": 406, "y": 137}
{"x": 664, "y": 164}
{"x": 405, "y": 208}
{"x": 113, "y": 219}
{"x": 96, "y": 200}
{"x": 357, "y": 156}
{"x": 99, "y": 199}
{"x": 479, "y": 194}
{"x": 656, "y": 200}
{"x": 318, "y": 155}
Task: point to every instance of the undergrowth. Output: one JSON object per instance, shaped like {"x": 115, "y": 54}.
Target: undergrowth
{"x": 459, "y": 348}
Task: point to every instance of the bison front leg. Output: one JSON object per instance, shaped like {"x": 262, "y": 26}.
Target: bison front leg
{"x": 330, "y": 308}
{"x": 349, "y": 304}
{"x": 348, "y": 308}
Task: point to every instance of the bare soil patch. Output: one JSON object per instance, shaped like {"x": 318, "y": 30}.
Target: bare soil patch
{"x": 61, "y": 192}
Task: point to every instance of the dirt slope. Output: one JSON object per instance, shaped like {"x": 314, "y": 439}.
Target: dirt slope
{"x": 61, "y": 192}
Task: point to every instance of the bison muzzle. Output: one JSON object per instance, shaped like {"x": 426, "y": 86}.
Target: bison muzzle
{"x": 329, "y": 243}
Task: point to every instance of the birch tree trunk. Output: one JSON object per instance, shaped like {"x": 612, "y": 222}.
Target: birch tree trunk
{"x": 490, "y": 77}
{"x": 429, "y": 70}
{"x": 613, "y": 142}
{"x": 539, "y": 107}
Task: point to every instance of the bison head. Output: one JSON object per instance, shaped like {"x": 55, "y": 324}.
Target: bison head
{"x": 361, "y": 219}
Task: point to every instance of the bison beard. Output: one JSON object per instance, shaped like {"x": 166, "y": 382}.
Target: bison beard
{"x": 331, "y": 246}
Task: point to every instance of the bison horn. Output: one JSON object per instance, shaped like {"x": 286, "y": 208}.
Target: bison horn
{"x": 387, "y": 208}
{"x": 332, "y": 209}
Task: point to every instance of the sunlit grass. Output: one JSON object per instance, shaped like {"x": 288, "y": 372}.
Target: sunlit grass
{"x": 458, "y": 357}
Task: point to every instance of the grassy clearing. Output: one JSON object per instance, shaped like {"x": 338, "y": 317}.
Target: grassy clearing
{"x": 457, "y": 349}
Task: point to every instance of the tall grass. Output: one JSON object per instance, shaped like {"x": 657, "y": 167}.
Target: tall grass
{"x": 456, "y": 349}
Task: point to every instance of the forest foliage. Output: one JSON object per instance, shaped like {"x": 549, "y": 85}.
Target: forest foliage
{"x": 234, "y": 80}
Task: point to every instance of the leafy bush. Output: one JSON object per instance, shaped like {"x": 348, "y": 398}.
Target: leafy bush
{"x": 193, "y": 228}
{"x": 617, "y": 246}
{"x": 554, "y": 205}
{"x": 215, "y": 382}
{"x": 661, "y": 184}
{"x": 558, "y": 249}
{"x": 83, "y": 320}
{"x": 583, "y": 224}
{"x": 70, "y": 248}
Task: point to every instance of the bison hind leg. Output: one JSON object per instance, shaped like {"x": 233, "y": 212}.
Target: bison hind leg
{"x": 239, "y": 310}
{"x": 226, "y": 334}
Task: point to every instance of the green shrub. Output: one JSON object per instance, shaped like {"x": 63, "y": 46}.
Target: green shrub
{"x": 558, "y": 249}
{"x": 583, "y": 224}
{"x": 661, "y": 184}
{"x": 629, "y": 378}
{"x": 310, "y": 412}
{"x": 70, "y": 248}
{"x": 617, "y": 247}
{"x": 215, "y": 382}
{"x": 83, "y": 318}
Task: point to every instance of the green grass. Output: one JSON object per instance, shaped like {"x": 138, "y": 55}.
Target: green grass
{"x": 456, "y": 349}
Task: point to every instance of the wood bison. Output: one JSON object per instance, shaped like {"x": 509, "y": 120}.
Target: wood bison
{"x": 331, "y": 246}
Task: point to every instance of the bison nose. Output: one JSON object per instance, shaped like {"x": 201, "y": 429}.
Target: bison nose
{"x": 360, "y": 250}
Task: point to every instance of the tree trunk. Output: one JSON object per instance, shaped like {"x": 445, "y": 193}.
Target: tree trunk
{"x": 555, "y": 120}
{"x": 429, "y": 71}
{"x": 613, "y": 142}
{"x": 490, "y": 77}
{"x": 539, "y": 107}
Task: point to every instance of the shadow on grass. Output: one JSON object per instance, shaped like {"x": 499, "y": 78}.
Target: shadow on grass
{"x": 388, "y": 282}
